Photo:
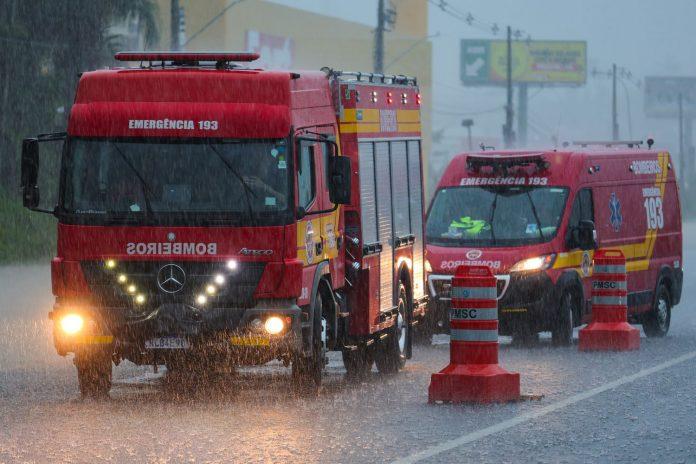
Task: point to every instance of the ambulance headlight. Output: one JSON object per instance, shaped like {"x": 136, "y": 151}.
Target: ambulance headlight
{"x": 71, "y": 324}
{"x": 537, "y": 263}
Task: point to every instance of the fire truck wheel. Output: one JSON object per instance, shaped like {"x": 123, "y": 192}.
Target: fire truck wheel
{"x": 358, "y": 362}
{"x": 93, "y": 374}
{"x": 562, "y": 330}
{"x": 656, "y": 322}
{"x": 391, "y": 353}
{"x": 307, "y": 370}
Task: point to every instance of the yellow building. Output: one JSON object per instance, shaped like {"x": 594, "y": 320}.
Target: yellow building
{"x": 292, "y": 38}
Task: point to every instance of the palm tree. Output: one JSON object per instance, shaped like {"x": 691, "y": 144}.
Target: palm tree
{"x": 44, "y": 44}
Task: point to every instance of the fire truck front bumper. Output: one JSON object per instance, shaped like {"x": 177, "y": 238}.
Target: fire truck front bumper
{"x": 254, "y": 335}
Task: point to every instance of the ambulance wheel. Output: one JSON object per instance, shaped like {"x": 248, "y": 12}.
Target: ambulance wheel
{"x": 392, "y": 352}
{"x": 656, "y": 322}
{"x": 307, "y": 370}
{"x": 358, "y": 363}
{"x": 93, "y": 374}
{"x": 562, "y": 330}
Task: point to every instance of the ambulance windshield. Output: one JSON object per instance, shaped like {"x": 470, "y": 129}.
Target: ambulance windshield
{"x": 175, "y": 182}
{"x": 495, "y": 216}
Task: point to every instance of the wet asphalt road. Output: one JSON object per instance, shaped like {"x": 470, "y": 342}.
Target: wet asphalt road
{"x": 255, "y": 416}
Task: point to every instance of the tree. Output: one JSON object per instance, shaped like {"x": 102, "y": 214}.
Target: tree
{"x": 44, "y": 44}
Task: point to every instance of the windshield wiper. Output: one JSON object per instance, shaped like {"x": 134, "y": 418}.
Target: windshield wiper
{"x": 245, "y": 186}
{"x": 536, "y": 216}
{"x": 146, "y": 188}
{"x": 490, "y": 220}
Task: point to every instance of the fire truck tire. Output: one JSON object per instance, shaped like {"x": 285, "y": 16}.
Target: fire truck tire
{"x": 93, "y": 374}
{"x": 656, "y": 322}
{"x": 307, "y": 370}
{"x": 391, "y": 353}
{"x": 358, "y": 363}
{"x": 562, "y": 330}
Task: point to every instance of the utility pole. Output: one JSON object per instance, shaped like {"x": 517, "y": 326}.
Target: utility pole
{"x": 174, "y": 25}
{"x": 508, "y": 133}
{"x": 379, "y": 38}
{"x": 522, "y": 113}
{"x": 614, "y": 115}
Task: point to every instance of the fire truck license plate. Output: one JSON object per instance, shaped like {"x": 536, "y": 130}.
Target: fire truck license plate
{"x": 167, "y": 343}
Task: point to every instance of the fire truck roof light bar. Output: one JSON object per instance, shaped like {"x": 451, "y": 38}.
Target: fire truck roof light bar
{"x": 613, "y": 143}
{"x": 504, "y": 162}
{"x": 219, "y": 57}
{"x": 375, "y": 78}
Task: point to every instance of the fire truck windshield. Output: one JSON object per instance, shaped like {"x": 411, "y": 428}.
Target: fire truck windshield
{"x": 175, "y": 182}
{"x": 495, "y": 216}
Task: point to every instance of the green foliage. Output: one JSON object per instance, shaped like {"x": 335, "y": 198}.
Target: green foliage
{"x": 24, "y": 235}
{"x": 44, "y": 45}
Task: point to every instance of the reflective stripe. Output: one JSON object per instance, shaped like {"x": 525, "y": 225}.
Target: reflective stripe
{"x": 477, "y": 314}
{"x": 609, "y": 285}
{"x": 483, "y": 293}
{"x": 609, "y": 268}
{"x": 609, "y": 300}
{"x": 465, "y": 335}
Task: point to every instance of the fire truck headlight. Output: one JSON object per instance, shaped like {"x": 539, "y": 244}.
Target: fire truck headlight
{"x": 219, "y": 279}
{"x": 537, "y": 263}
{"x": 232, "y": 265}
{"x": 110, "y": 263}
{"x": 72, "y": 323}
{"x": 201, "y": 299}
{"x": 274, "y": 325}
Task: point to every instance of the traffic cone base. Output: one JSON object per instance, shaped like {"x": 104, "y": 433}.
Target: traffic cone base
{"x": 609, "y": 336}
{"x": 474, "y": 383}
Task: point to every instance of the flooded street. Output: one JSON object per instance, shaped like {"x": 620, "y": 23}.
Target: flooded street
{"x": 255, "y": 415}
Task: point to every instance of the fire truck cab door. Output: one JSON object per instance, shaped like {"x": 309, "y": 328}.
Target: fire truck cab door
{"x": 310, "y": 247}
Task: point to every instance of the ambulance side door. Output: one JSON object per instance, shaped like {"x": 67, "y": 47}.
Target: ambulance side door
{"x": 583, "y": 210}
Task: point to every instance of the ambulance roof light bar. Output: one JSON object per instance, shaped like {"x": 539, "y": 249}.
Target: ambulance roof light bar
{"x": 221, "y": 59}
{"x": 500, "y": 162}
{"x": 609, "y": 144}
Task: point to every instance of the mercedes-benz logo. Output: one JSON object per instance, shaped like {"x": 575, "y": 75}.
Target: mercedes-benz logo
{"x": 171, "y": 278}
{"x": 171, "y": 237}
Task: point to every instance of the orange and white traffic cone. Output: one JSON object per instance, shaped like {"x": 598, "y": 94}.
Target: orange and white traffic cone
{"x": 609, "y": 329}
{"x": 473, "y": 374}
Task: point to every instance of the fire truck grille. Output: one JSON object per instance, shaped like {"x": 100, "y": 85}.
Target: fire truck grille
{"x": 112, "y": 287}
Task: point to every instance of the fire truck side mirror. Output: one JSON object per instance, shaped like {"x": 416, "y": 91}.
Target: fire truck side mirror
{"x": 30, "y": 172}
{"x": 339, "y": 180}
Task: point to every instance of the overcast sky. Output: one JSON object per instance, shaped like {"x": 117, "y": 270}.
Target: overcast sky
{"x": 647, "y": 37}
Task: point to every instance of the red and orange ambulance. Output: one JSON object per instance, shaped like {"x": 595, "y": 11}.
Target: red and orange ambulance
{"x": 536, "y": 219}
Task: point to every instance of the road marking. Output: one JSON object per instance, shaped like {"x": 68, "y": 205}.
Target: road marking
{"x": 522, "y": 418}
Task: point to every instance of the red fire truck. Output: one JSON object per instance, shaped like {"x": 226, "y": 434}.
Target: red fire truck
{"x": 214, "y": 214}
{"x": 537, "y": 217}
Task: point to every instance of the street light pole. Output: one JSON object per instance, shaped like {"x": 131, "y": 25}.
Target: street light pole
{"x": 682, "y": 155}
{"x": 614, "y": 115}
{"x": 508, "y": 134}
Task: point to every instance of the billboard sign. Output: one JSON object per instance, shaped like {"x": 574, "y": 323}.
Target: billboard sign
{"x": 662, "y": 96}
{"x": 276, "y": 52}
{"x": 484, "y": 62}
